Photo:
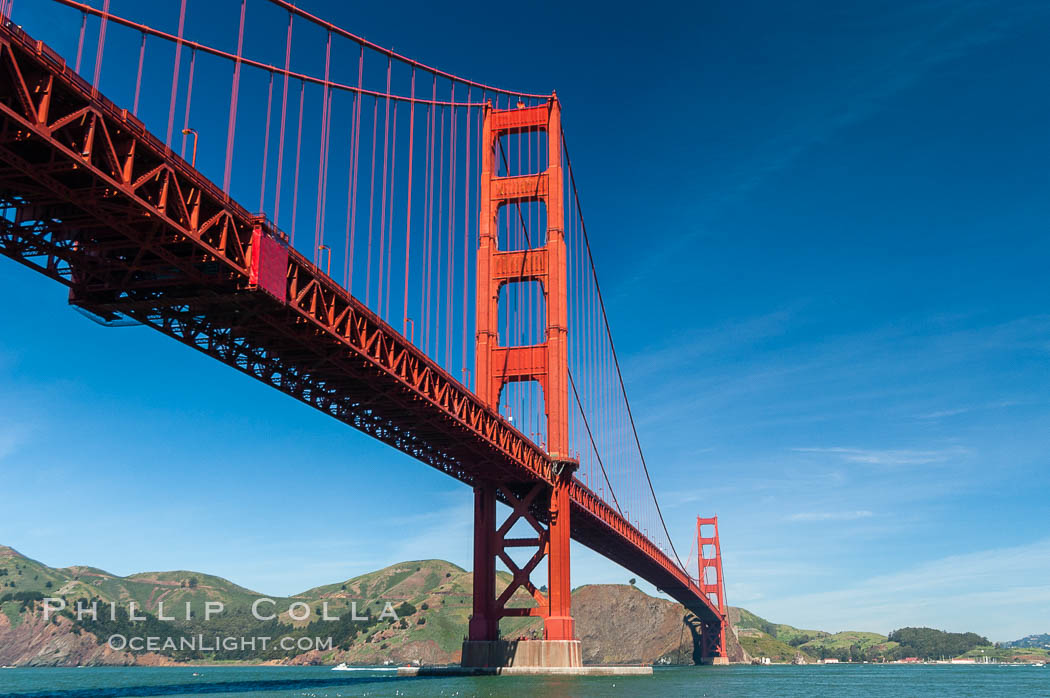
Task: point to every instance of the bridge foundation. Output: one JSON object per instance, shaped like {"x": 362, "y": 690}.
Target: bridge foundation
{"x": 715, "y": 661}
{"x": 522, "y": 653}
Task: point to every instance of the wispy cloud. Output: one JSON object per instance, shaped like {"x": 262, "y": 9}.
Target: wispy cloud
{"x": 953, "y": 412}
{"x": 1001, "y": 593}
{"x": 831, "y": 515}
{"x": 888, "y": 456}
{"x": 940, "y": 414}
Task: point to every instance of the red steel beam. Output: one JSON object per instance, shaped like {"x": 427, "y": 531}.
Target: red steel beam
{"x": 98, "y": 203}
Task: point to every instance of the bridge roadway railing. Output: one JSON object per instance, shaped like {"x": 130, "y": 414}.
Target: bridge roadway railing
{"x": 92, "y": 199}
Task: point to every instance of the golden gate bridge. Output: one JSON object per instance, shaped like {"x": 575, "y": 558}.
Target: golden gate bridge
{"x": 417, "y": 266}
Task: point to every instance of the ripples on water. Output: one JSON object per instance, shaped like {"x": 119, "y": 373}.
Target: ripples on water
{"x": 321, "y": 682}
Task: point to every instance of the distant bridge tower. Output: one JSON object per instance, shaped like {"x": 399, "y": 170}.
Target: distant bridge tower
{"x": 709, "y": 559}
{"x": 545, "y": 363}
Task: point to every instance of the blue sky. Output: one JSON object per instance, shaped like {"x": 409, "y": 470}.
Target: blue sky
{"x": 823, "y": 237}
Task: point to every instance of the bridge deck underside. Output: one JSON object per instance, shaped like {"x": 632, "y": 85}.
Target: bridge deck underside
{"x": 96, "y": 202}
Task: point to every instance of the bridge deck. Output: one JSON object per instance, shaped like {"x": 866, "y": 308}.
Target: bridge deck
{"x": 95, "y": 201}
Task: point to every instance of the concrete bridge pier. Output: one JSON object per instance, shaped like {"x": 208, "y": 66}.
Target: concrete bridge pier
{"x": 522, "y": 653}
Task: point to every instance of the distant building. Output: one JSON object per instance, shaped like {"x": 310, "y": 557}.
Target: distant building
{"x": 830, "y": 660}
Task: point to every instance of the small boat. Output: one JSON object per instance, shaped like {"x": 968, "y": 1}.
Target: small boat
{"x": 342, "y": 666}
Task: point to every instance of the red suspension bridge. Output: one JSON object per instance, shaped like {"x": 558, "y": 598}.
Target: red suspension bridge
{"x": 435, "y": 287}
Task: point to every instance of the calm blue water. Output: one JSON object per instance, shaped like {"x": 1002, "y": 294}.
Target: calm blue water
{"x": 321, "y": 682}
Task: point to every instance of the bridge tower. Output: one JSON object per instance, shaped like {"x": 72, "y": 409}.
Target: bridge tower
{"x": 709, "y": 559}
{"x": 545, "y": 363}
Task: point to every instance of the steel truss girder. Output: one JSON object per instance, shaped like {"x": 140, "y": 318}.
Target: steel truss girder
{"x": 95, "y": 201}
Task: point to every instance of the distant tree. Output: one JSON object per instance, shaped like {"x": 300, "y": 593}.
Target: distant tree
{"x": 48, "y": 584}
{"x": 405, "y": 609}
{"x": 633, "y": 581}
{"x": 343, "y": 587}
{"x": 425, "y": 606}
{"x": 421, "y": 621}
{"x": 927, "y": 643}
{"x": 193, "y": 582}
{"x": 447, "y": 575}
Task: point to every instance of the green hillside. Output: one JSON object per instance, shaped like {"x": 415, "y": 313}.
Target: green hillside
{"x": 411, "y": 611}
{"x": 432, "y": 600}
{"x": 146, "y": 589}
{"x": 760, "y": 637}
{"x": 850, "y": 645}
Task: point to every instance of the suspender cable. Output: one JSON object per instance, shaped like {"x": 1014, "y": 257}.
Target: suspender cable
{"x": 318, "y": 236}
{"x": 280, "y": 135}
{"x": 230, "y": 131}
{"x": 352, "y": 218}
{"x": 426, "y": 226}
{"x": 371, "y": 202}
{"x": 80, "y": 43}
{"x": 298, "y": 151}
{"x": 324, "y": 180}
{"x": 466, "y": 241}
{"x": 189, "y": 100}
{"x": 438, "y": 227}
{"x": 328, "y": 139}
{"x": 451, "y": 229}
{"x": 101, "y": 43}
{"x": 382, "y": 206}
{"x": 266, "y": 141}
{"x": 408, "y": 203}
{"x": 175, "y": 73}
{"x": 138, "y": 75}
{"x": 429, "y": 231}
{"x": 387, "y": 289}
